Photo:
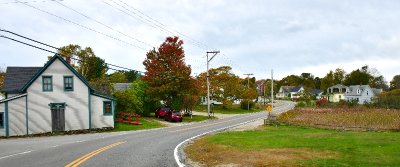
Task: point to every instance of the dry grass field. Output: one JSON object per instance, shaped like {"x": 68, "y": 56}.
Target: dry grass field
{"x": 358, "y": 118}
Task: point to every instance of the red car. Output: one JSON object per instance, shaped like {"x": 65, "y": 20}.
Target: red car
{"x": 160, "y": 112}
{"x": 173, "y": 116}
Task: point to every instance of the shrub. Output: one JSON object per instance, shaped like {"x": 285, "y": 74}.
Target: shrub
{"x": 301, "y": 104}
{"x": 245, "y": 104}
{"x": 389, "y": 99}
{"x": 322, "y": 102}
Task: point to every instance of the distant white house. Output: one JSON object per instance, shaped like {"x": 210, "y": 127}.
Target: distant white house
{"x": 317, "y": 93}
{"x": 1, "y": 96}
{"x": 292, "y": 92}
{"x": 361, "y": 93}
{"x": 50, "y": 99}
{"x": 336, "y": 93}
{"x": 203, "y": 101}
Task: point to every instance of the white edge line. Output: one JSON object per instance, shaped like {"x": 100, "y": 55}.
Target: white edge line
{"x": 26, "y": 152}
{"x": 176, "y": 154}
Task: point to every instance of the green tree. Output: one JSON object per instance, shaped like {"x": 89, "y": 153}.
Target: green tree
{"x": 84, "y": 61}
{"x": 118, "y": 77}
{"x": 307, "y": 80}
{"x": 102, "y": 85}
{"x": 93, "y": 68}
{"x": 332, "y": 78}
{"x": 379, "y": 83}
{"x": 359, "y": 77}
{"x": 134, "y": 99}
{"x": 225, "y": 86}
{"x": 166, "y": 73}
{"x": 395, "y": 83}
{"x": 327, "y": 81}
{"x": 132, "y": 75}
{"x": 366, "y": 76}
{"x": 291, "y": 80}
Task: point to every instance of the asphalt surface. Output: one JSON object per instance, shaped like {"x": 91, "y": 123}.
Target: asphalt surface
{"x": 135, "y": 148}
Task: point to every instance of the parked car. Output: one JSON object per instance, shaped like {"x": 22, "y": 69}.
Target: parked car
{"x": 173, "y": 116}
{"x": 160, "y": 112}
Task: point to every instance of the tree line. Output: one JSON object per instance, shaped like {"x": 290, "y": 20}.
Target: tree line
{"x": 168, "y": 80}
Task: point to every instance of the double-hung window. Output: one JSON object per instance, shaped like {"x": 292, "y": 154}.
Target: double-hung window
{"x": 47, "y": 82}
{"x": 68, "y": 83}
{"x": 1, "y": 120}
{"x": 107, "y": 108}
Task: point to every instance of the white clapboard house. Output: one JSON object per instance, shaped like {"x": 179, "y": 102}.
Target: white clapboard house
{"x": 50, "y": 99}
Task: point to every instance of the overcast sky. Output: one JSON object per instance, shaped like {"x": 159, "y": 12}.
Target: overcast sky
{"x": 254, "y": 36}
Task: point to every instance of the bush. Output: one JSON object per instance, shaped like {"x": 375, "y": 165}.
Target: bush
{"x": 389, "y": 99}
{"x": 245, "y": 104}
{"x": 306, "y": 103}
{"x": 301, "y": 104}
{"x": 322, "y": 102}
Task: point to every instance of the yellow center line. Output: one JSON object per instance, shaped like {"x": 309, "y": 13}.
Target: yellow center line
{"x": 209, "y": 124}
{"x": 91, "y": 154}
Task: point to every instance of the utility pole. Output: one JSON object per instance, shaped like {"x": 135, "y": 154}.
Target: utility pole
{"x": 265, "y": 82}
{"x": 248, "y": 87}
{"x": 272, "y": 89}
{"x": 208, "y": 81}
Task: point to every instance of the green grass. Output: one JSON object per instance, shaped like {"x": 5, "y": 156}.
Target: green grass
{"x": 234, "y": 109}
{"x": 147, "y": 123}
{"x": 341, "y": 148}
{"x": 195, "y": 118}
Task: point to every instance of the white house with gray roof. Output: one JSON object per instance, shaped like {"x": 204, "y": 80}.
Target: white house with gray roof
{"x": 292, "y": 92}
{"x": 361, "y": 93}
{"x": 50, "y": 99}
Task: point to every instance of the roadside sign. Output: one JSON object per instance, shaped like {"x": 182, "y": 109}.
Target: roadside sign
{"x": 269, "y": 108}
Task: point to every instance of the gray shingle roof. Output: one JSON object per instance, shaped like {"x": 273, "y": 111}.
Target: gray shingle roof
{"x": 121, "y": 86}
{"x": 296, "y": 88}
{"x": 353, "y": 90}
{"x": 17, "y": 77}
{"x": 287, "y": 88}
{"x": 315, "y": 91}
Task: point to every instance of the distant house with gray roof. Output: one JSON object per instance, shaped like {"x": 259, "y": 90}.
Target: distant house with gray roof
{"x": 361, "y": 93}
{"x": 121, "y": 86}
{"x": 292, "y": 92}
{"x": 316, "y": 92}
{"x": 50, "y": 99}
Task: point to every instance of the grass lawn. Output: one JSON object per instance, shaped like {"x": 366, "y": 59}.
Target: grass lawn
{"x": 147, "y": 123}
{"x": 234, "y": 109}
{"x": 297, "y": 146}
{"x": 195, "y": 118}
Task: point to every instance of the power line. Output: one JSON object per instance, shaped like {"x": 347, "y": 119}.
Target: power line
{"x": 163, "y": 25}
{"x": 109, "y": 27}
{"x": 3, "y": 36}
{"x": 146, "y": 21}
{"x": 82, "y": 26}
{"x": 4, "y": 3}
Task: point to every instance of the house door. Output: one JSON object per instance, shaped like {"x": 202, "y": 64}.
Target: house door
{"x": 57, "y": 116}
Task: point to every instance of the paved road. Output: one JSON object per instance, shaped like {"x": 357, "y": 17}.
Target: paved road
{"x": 136, "y": 148}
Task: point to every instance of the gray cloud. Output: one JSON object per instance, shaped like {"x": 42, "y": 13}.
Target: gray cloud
{"x": 254, "y": 36}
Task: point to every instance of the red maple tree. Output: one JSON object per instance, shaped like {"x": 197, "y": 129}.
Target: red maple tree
{"x": 167, "y": 74}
